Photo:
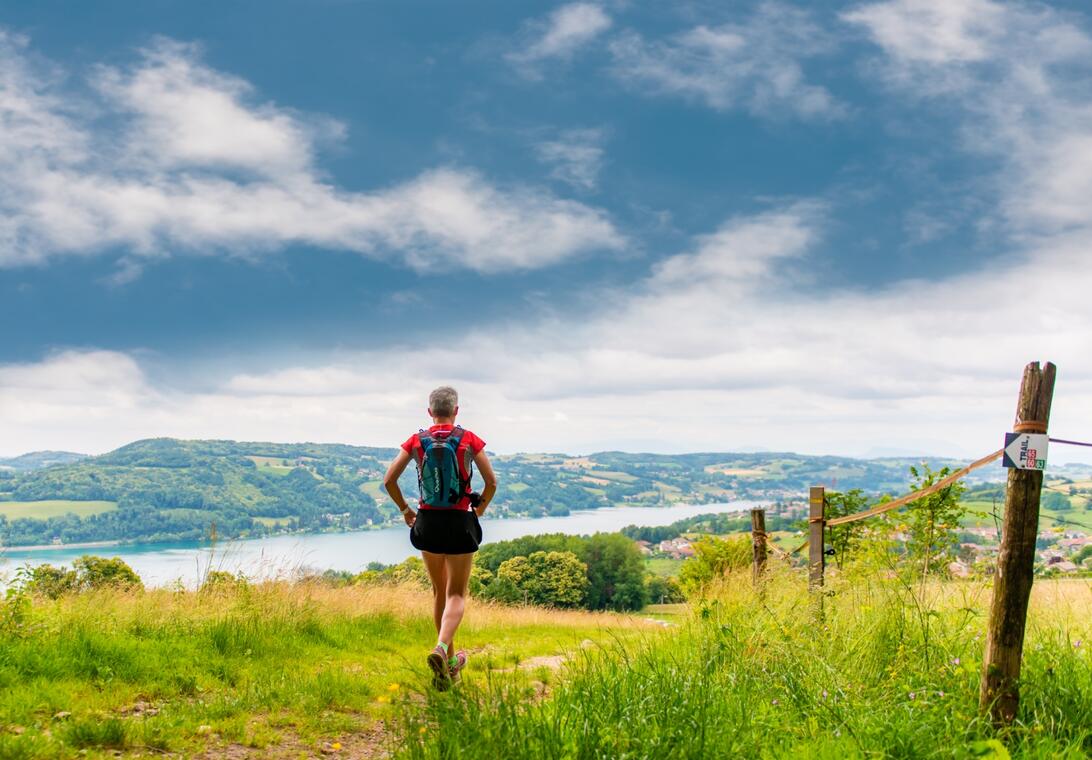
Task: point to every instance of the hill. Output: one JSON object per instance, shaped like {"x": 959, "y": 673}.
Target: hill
{"x": 168, "y": 489}
{"x": 36, "y": 460}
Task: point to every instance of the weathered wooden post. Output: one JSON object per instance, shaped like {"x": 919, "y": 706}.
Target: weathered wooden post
{"x": 1000, "y": 688}
{"x": 758, "y": 543}
{"x": 816, "y": 522}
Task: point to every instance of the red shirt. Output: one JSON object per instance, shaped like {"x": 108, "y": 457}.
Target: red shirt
{"x": 468, "y": 448}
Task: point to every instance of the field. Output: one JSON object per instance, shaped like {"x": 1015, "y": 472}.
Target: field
{"x": 46, "y": 508}
{"x": 886, "y": 670}
{"x": 272, "y": 669}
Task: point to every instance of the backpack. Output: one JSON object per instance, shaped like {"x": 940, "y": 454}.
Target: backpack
{"x": 442, "y": 485}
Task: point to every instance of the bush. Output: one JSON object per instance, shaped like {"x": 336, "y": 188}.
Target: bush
{"x": 88, "y": 573}
{"x": 410, "y": 571}
{"x": 663, "y": 590}
{"x": 713, "y": 558}
{"x": 550, "y": 579}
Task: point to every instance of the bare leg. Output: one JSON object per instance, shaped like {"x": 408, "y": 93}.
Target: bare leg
{"x": 458, "y": 578}
{"x": 437, "y": 574}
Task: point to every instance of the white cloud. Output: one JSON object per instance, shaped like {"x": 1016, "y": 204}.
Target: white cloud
{"x": 940, "y": 32}
{"x": 567, "y": 29}
{"x": 199, "y": 168}
{"x": 575, "y": 157}
{"x": 753, "y": 65}
{"x": 1018, "y": 76}
{"x": 713, "y": 351}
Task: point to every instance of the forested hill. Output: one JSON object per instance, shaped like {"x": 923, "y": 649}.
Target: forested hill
{"x": 168, "y": 489}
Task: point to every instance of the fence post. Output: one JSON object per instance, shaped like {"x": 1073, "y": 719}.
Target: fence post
{"x": 1000, "y": 689}
{"x": 758, "y": 543}
{"x": 816, "y": 522}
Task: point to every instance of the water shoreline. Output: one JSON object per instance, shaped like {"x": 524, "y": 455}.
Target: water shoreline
{"x": 120, "y": 542}
{"x": 287, "y": 555}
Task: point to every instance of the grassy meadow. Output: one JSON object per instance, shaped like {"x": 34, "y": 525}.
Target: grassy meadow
{"x": 889, "y": 670}
{"x": 46, "y": 508}
{"x": 275, "y": 669}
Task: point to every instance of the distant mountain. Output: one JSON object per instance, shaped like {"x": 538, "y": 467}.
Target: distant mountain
{"x": 167, "y": 489}
{"x": 36, "y": 460}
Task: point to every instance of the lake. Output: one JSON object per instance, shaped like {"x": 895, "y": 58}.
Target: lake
{"x": 165, "y": 563}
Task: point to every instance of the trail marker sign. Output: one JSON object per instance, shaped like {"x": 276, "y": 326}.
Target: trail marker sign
{"x": 1025, "y": 451}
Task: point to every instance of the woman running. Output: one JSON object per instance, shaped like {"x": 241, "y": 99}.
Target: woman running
{"x": 445, "y": 528}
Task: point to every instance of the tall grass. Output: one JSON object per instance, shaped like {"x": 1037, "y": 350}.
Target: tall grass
{"x": 266, "y": 666}
{"x": 884, "y": 670}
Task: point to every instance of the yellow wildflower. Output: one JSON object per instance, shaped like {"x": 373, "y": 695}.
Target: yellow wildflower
{"x": 393, "y": 687}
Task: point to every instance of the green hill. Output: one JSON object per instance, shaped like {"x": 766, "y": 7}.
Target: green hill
{"x": 166, "y": 489}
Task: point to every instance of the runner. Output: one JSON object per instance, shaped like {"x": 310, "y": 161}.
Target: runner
{"x": 445, "y": 528}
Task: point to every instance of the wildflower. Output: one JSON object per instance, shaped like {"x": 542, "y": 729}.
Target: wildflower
{"x": 775, "y": 702}
{"x": 955, "y": 660}
{"x": 1077, "y": 644}
{"x": 940, "y": 694}
{"x": 824, "y": 693}
{"x": 335, "y": 746}
{"x": 422, "y": 730}
{"x": 393, "y": 687}
{"x": 912, "y": 695}
{"x": 382, "y": 698}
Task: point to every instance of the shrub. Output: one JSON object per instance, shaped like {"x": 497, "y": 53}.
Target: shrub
{"x": 713, "y": 558}
{"x": 88, "y": 573}
{"x": 550, "y": 579}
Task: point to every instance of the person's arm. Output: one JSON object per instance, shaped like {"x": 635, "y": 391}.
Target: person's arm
{"x": 486, "y": 470}
{"x": 390, "y": 483}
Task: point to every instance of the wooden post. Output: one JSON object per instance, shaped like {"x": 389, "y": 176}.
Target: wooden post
{"x": 1000, "y": 688}
{"x": 758, "y": 543}
{"x": 816, "y": 522}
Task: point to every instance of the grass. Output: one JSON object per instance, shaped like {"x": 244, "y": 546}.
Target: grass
{"x": 273, "y": 522}
{"x": 663, "y": 566}
{"x": 270, "y": 666}
{"x": 888, "y": 671}
{"x": 42, "y": 510}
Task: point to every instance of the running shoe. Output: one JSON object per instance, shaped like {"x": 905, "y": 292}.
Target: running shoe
{"x": 456, "y": 668}
{"x": 441, "y": 673}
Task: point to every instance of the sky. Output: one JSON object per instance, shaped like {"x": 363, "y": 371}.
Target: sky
{"x": 831, "y": 227}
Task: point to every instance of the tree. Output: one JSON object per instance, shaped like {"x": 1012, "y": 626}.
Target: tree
{"x": 550, "y": 579}
{"x": 87, "y": 574}
{"x": 933, "y": 521}
{"x": 843, "y": 538}
{"x": 616, "y": 573}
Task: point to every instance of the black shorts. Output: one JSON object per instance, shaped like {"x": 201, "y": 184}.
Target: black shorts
{"x": 446, "y": 531}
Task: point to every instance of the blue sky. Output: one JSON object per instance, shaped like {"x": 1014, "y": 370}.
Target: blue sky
{"x": 612, "y": 225}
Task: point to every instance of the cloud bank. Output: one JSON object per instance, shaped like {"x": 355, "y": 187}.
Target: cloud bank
{"x": 170, "y": 156}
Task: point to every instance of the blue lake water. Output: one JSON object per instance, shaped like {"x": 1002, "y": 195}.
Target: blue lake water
{"x": 166, "y": 563}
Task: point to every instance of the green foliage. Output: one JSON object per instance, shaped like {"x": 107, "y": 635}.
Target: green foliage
{"x": 713, "y": 559}
{"x": 168, "y": 489}
{"x": 88, "y": 573}
{"x": 933, "y": 521}
{"x": 615, "y": 568}
{"x": 1055, "y": 501}
{"x": 661, "y": 590}
{"x": 754, "y": 678}
{"x": 410, "y": 571}
{"x": 549, "y": 579}
{"x": 1083, "y": 554}
{"x": 218, "y": 581}
{"x": 844, "y": 538}
{"x": 714, "y": 524}
{"x": 270, "y": 667}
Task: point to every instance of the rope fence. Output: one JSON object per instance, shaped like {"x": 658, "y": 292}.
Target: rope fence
{"x": 999, "y": 693}
{"x": 913, "y": 496}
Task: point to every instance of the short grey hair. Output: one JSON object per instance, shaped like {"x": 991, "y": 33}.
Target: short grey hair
{"x": 443, "y": 401}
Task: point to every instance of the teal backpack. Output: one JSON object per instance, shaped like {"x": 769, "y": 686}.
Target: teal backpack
{"x": 438, "y": 477}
